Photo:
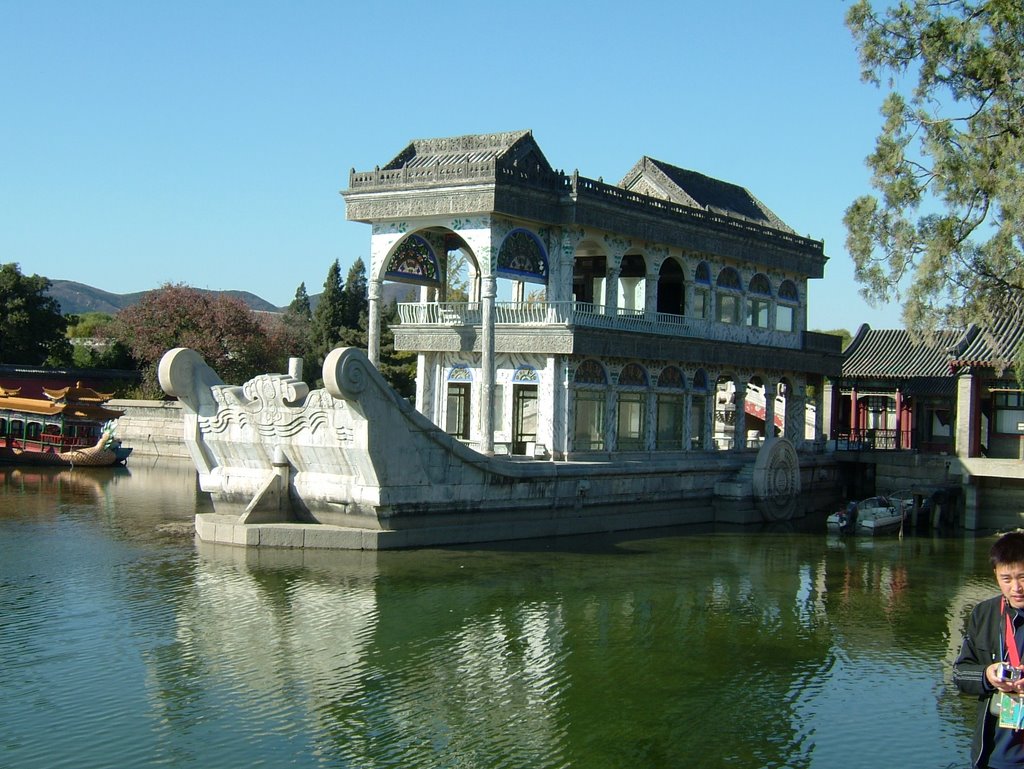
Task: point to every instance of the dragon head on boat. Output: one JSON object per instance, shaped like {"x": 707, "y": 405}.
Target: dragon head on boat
{"x": 108, "y": 439}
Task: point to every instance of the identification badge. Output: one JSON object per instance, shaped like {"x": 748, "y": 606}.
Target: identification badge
{"x": 1011, "y": 711}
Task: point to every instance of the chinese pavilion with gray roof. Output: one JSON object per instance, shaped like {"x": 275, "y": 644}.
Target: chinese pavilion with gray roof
{"x": 954, "y": 394}
{"x": 895, "y": 392}
{"x": 560, "y": 316}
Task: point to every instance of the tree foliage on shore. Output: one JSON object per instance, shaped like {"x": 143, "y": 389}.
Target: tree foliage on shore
{"x": 341, "y": 319}
{"x": 90, "y": 337}
{"x": 32, "y": 328}
{"x": 230, "y": 337}
{"x": 945, "y": 233}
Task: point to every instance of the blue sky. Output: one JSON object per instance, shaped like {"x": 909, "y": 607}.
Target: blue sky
{"x": 148, "y": 142}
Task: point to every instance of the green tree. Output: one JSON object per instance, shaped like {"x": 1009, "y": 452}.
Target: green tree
{"x": 946, "y": 233}
{"x": 355, "y": 302}
{"x": 294, "y": 325}
{"x": 398, "y": 367}
{"x": 300, "y": 304}
{"x": 88, "y": 325}
{"x": 91, "y": 337}
{"x": 328, "y": 319}
{"x": 457, "y": 276}
{"x": 32, "y": 328}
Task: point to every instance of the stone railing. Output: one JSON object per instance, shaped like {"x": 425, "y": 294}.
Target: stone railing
{"x": 431, "y": 174}
{"x": 406, "y": 176}
{"x": 493, "y": 170}
{"x": 580, "y": 185}
{"x": 586, "y": 315}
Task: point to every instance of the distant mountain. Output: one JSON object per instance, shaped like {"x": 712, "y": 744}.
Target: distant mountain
{"x": 77, "y": 298}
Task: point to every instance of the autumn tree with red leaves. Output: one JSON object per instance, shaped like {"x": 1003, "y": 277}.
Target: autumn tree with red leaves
{"x": 230, "y": 336}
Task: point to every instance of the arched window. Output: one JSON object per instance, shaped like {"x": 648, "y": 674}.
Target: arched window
{"x": 526, "y": 374}
{"x": 759, "y": 301}
{"x": 632, "y": 283}
{"x": 589, "y": 403}
{"x": 671, "y": 410}
{"x": 632, "y": 408}
{"x": 459, "y": 401}
{"x": 728, "y": 296}
{"x": 785, "y": 311}
{"x": 671, "y": 378}
{"x": 632, "y": 375}
{"x": 590, "y": 371}
{"x": 698, "y": 408}
{"x": 522, "y": 257}
{"x": 701, "y": 290}
{"x": 670, "y": 289}
{"x": 414, "y": 261}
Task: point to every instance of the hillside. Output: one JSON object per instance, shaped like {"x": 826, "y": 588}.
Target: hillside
{"x": 77, "y": 298}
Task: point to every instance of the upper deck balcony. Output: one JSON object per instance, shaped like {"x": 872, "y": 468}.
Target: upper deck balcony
{"x": 584, "y": 315}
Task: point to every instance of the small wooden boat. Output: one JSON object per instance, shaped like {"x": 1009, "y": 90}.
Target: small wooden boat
{"x": 874, "y": 515}
{"x": 70, "y": 427}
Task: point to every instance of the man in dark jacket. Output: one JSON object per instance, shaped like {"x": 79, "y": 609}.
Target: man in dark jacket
{"x": 989, "y": 663}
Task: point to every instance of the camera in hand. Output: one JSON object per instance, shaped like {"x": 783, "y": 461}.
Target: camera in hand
{"x": 1009, "y": 673}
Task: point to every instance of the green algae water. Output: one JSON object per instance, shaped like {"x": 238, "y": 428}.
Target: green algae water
{"x": 125, "y": 643}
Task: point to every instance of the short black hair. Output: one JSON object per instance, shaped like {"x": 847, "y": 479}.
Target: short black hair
{"x": 1009, "y": 548}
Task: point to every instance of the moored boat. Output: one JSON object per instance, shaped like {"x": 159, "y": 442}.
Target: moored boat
{"x": 874, "y": 515}
{"x": 70, "y": 426}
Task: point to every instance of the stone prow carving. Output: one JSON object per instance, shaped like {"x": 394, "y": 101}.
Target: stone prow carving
{"x": 184, "y": 375}
{"x": 404, "y": 447}
{"x": 354, "y": 449}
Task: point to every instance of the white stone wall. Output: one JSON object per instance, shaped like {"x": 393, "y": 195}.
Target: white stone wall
{"x": 151, "y": 428}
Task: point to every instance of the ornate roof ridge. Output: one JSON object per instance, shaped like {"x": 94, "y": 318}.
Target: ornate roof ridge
{"x": 896, "y": 353}
{"x": 480, "y": 146}
{"x": 709, "y": 193}
{"x": 994, "y": 344}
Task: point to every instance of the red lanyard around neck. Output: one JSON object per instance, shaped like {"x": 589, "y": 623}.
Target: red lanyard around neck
{"x": 1012, "y": 650}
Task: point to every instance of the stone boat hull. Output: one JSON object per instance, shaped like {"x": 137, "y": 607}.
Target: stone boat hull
{"x": 354, "y": 465}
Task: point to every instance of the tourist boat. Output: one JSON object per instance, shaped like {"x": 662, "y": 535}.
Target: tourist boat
{"x": 71, "y": 426}
{"x": 874, "y": 515}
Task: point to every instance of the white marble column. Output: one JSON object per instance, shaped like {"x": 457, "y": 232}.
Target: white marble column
{"x": 489, "y": 291}
{"x": 739, "y": 440}
{"x": 771, "y": 389}
{"x": 373, "y": 333}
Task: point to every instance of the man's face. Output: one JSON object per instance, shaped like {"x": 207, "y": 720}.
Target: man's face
{"x": 1010, "y": 577}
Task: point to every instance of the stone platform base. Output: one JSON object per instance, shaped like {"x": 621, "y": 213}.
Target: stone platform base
{"x": 224, "y": 529}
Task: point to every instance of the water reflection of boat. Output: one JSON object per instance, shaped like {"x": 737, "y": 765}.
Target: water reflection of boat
{"x": 874, "y": 515}
{"x": 71, "y": 427}
{"x": 46, "y": 482}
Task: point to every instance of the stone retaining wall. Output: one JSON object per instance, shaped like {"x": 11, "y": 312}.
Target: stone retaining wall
{"x": 151, "y": 428}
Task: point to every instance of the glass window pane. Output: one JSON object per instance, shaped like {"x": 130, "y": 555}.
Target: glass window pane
{"x": 631, "y": 421}
{"x": 589, "y": 430}
{"x": 728, "y": 308}
{"x": 700, "y": 304}
{"x": 783, "y": 318}
{"x": 670, "y": 422}
{"x": 697, "y": 406}
{"x": 457, "y": 412}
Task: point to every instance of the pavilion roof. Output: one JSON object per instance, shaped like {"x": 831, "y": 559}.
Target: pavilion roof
{"x": 690, "y": 188}
{"x": 921, "y": 365}
{"x": 512, "y": 146}
{"x": 996, "y": 344}
{"x": 92, "y": 412}
{"x": 77, "y": 394}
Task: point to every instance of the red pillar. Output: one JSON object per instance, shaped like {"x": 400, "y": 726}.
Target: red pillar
{"x": 854, "y": 416}
{"x": 899, "y": 418}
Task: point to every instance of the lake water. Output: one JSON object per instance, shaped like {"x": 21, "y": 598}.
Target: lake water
{"x": 124, "y": 644}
